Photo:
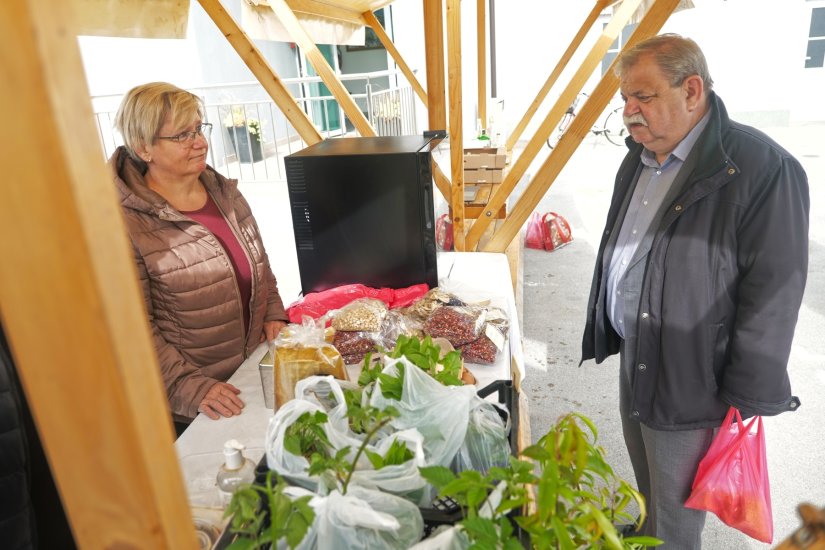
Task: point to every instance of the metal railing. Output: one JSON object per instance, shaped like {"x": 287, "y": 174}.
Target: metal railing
{"x": 251, "y": 136}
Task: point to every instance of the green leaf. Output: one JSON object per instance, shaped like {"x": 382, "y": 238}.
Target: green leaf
{"x": 643, "y": 541}
{"x": 392, "y": 386}
{"x": 437, "y": 476}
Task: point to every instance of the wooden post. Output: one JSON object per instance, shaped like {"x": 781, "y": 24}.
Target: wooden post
{"x": 481, "y": 59}
{"x": 511, "y": 179}
{"x": 456, "y": 121}
{"x": 70, "y": 301}
{"x": 434, "y": 52}
{"x": 652, "y": 22}
{"x": 254, "y": 59}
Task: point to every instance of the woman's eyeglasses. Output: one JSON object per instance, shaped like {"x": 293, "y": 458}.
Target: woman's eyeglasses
{"x": 188, "y": 138}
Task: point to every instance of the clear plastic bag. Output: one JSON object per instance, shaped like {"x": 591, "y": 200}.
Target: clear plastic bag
{"x": 362, "y": 315}
{"x": 361, "y": 519}
{"x": 458, "y": 324}
{"x": 299, "y": 352}
{"x": 440, "y": 413}
{"x": 487, "y": 442}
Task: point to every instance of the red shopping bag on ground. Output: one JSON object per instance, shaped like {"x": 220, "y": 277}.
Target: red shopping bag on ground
{"x": 557, "y": 232}
{"x": 535, "y": 232}
{"x": 732, "y": 479}
{"x": 444, "y": 232}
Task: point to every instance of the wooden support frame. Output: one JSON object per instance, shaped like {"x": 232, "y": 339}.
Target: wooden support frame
{"x": 456, "y": 121}
{"x": 254, "y": 59}
{"x": 71, "y": 306}
{"x": 594, "y": 57}
{"x": 651, "y": 23}
{"x": 591, "y": 18}
{"x": 327, "y": 74}
{"x": 481, "y": 60}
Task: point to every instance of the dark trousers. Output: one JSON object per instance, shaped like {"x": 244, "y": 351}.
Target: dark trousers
{"x": 664, "y": 463}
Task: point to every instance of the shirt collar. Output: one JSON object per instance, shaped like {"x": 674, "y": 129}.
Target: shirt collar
{"x": 682, "y": 149}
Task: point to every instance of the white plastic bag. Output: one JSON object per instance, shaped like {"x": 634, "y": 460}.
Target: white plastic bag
{"x": 440, "y": 413}
{"x": 361, "y": 519}
{"x": 487, "y": 441}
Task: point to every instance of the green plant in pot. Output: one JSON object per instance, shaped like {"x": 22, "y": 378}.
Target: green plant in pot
{"x": 578, "y": 500}
{"x": 245, "y": 134}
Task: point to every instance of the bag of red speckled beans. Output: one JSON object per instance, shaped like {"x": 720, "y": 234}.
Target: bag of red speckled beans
{"x": 459, "y": 325}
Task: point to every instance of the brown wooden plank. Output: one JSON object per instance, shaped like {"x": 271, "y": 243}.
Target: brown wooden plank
{"x": 481, "y": 59}
{"x": 456, "y": 121}
{"x": 591, "y": 18}
{"x": 71, "y": 305}
{"x": 652, "y": 22}
{"x": 324, "y": 9}
{"x": 382, "y": 35}
{"x": 319, "y": 63}
{"x": 257, "y": 63}
{"x": 537, "y": 142}
{"x": 434, "y": 54}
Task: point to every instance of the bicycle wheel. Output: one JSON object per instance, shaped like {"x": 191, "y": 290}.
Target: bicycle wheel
{"x": 614, "y": 129}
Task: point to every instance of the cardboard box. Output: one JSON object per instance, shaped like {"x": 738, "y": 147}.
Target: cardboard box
{"x": 484, "y": 157}
{"x": 482, "y": 175}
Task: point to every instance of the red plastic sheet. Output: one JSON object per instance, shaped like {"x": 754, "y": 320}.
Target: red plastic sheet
{"x": 316, "y": 304}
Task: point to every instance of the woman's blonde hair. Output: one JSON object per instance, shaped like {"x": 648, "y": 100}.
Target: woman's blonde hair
{"x": 145, "y": 108}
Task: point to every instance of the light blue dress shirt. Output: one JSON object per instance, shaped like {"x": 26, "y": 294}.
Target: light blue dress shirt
{"x": 651, "y": 189}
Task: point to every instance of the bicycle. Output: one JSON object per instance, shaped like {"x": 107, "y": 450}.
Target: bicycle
{"x": 613, "y": 128}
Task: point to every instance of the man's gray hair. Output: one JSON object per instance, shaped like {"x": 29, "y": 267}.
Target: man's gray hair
{"x": 678, "y": 58}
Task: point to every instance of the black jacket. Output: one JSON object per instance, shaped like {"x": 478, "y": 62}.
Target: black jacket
{"x": 723, "y": 284}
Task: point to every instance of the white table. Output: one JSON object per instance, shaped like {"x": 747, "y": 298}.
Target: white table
{"x": 472, "y": 276}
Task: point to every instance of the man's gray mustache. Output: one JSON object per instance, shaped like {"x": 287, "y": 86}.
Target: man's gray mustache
{"x": 634, "y": 119}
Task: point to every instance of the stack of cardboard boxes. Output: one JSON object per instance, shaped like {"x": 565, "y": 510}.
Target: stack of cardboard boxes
{"x": 483, "y": 165}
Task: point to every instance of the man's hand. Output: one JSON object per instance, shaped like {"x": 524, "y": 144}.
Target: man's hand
{"x": 271, "y": 330}
{"x": 221, "y": 400}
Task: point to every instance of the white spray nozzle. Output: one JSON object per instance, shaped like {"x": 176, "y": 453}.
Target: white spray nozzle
{"x": 233, "y": 458}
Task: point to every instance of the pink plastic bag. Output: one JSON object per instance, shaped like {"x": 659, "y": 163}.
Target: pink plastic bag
{"x": 732, "y": 479}
{"x": 316, "y": 304}
{"x": 536, "y": 232}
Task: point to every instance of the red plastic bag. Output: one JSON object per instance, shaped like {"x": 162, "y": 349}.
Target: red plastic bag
{"x": 732, "y": 479}
{"x": 557, "y": 231}
{"x": 316, "y": 304}
{"x": 536, "y": 232}
{"x": 444, "y": 232}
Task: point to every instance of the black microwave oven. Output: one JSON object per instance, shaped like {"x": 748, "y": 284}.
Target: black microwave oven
{"x": 362, "y": 212}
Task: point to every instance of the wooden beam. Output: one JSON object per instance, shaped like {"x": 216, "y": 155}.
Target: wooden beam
{"x": 322, "y": 9}
{"x": 434, "y": 53}
{"x": 70, "y": 302}
{"x": 481, "y": 58}
{"x": 590, "y": 63}
{"x": 652, "y": 22}
{"x": 456, "y": 121}
{"x": 382, "y": 35}
{"x": 254, "y": 59}
{"x": 316, "y": 58}
{"x": 591, "y": 18}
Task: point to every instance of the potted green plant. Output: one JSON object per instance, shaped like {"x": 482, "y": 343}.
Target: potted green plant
{"x": 578, "y": 500}
{"x": 245, "y": 134}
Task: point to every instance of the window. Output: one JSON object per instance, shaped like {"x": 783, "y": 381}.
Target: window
{"x": 816, "y": 40}
{"x": 617, "y": 45}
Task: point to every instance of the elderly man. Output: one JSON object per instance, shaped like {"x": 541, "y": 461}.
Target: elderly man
{"x": 699, "y": 276}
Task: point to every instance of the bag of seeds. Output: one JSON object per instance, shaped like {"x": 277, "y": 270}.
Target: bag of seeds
{"x": 362, "y": 315}
{"x": 300, "y": 352}
{"x": 458, "y": 324}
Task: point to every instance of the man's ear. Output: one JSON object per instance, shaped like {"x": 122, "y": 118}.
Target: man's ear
{"x": 694, "y": 88}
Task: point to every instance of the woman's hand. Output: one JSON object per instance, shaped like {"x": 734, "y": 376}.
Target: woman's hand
{"x": 271, "y": 330}
{"x": 221, "y": 400}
